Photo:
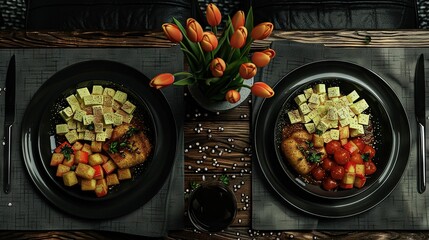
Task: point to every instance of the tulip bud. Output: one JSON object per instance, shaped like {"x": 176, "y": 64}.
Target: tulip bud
{"x": 209, "y": 42}
{"x": 214, "y": 17}
{"x": 162, "y": 80}
{"x": 261, "y": 59}
{"x": 172, "y": 32}
{"x": 194, "y": 30}
{"x": 238, "y": 38}
{"x": 238, "y": 20}
{"x": 247, "y": 70}
{"x": 262, "y": 31}
{"x": 261, "y": 89}
{"x": 232, "y": 96}
{"x": 217, "y": 67}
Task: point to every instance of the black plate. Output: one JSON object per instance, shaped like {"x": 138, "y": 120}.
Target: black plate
{"x": 38, "y": 134}
{"x": 392, "y": 139}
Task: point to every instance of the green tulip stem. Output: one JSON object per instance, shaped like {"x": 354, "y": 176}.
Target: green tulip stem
{"x": 247, "y": 48}
{"x": 245, "y": 85}
{"x": 230, "y": 55}
{"x": 201, "y": 52}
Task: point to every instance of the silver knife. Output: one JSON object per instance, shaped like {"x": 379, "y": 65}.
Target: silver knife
{"x": 420, "y": 111}
{"x": 8, "y": 123}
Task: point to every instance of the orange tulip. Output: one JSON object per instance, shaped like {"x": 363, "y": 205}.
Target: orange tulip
{"x": 214, "y": 17}
{"x": 247, "y": 70}
{"x": 238, "y": 38}
{"x": 261, "y": 89}
{"x": 238, "y": 20}
{"x": 217, "y": 67}
{"x": 172, "y": 32}
{"x": 209, "y": 42}
{"x": 261, "y": 59}
{"x": 194, "y": 30}
{"x": 232, "y": 96}
{"x": 262, "y": 31}
{"x": 162, "y": 80}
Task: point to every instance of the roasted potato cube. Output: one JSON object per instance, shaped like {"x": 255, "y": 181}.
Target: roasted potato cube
{"x": 77, "y": 146}
{"x": 109, "y": 166}
{"x": 85, "y": 171}
{"x": 70, "y": 179}
{"x": 96, "y": 146}
{"x": 95, "y": 159}
{"x": 56, "y": 159}
{"x": 69, "y": 162}
{"x": 112, "y": 179}
{"x": 88, "y": 184}
{"x": 104, "y": 157}
{"x": 318, "y": 141}
{"x": 81, "y": 157}
{"x": 61, "y": 169}
{"x": 124, "y": 174}
{"x": 87, "y": 148}
{"x": 101, "y": 189}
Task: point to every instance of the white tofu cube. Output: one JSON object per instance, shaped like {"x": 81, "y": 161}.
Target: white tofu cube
{"x": 73, "y": 102}
{"x": 313, "y": 114}
{"x": 88, "y": 119}
{"x": 120, "y": 97}
{"x": 89, "y": 136}
{"x": 300, "y": 99}
{"x": 294, "y": 116}
{"x": 334, "y": 92}
{"x": 82, "y": 92}
{"x": 97, "y": 90}
{"x": 323, "y": 125}
{"x": 108, "y": 118}
{"x": 100, "y": 137}
{"x": 304, "y": 109}
{"x": 311, "y": 127}
{"x": 314, "y": 98}
{"x": 61, "y": 129}
{"x": 357, "y": 132}
{"x": 353, "y": 96}
{"x": 332, "y": 113}
{"x": 109, "y": 92}
{"x": 72, "y": 136}
{"x": 363, "y": 119}
{"x": 320, "y": 88}
{"x": 128, "y": 107}
{"x": 335, "y": 134}
{"x": 78, "y": 115}
{"x": 308, "y": 92}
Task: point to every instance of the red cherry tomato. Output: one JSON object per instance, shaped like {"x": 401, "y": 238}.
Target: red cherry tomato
{"x": 337, "y": 172}
{"x": 356, "y": 158}
{"x": 327, "y": 164}
{"x": 329, "y": 184}
{"x": 369, "y": 151}
{"x": 318, "y": 173}
{"x": 332, "y": 146}
{"x": 359, "y": 143}
{"x": 341, "y": 156}
{"x": 370, "y": 168}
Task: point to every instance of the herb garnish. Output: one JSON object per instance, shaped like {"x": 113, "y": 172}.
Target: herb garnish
{"x": 90, "y": 127}
{"x": 123, "y": 143}
{"x": 66, "y": 151}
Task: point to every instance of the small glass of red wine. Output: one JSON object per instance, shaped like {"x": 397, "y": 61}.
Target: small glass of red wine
{"x": 212, "y": 207}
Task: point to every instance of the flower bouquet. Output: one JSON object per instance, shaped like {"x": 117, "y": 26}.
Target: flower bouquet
{"x": 219, "y": 64}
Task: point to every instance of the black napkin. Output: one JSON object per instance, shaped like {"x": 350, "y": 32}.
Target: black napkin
{"x": 24, "y": 208}
{"x": 404, "y": 209}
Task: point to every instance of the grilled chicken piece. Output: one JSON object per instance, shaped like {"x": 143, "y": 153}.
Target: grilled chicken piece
{"x": 292, "y": 150}
{"x": 138, "y": 149}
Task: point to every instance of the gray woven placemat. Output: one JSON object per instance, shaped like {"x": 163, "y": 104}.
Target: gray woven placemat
{"x": 404, "y": 209}
{"x": 24, "y": 208}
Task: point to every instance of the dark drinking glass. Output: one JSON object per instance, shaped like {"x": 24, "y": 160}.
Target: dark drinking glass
{"x": 212, "y": 207}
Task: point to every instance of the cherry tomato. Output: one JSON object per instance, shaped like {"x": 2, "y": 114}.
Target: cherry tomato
{"x": 332, "y": 146}
{"x": 318, "y": 173}
{"x": 369, "y": 151}
{"x": 370, "y": 168}
{"x": 337, "y": 172}
{"x": 359, "y": 143}
{"x": 327, "y": 164}
{"x": 356, "y": 158}
{"x": 329, "y": 184}
{"x": 341, "y": 156}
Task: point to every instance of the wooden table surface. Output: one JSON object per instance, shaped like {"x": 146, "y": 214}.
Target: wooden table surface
{"x": 217, "y": 144}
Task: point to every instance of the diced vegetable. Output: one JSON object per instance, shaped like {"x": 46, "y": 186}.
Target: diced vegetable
{"x": 85, "y": 171}
{"x": 109, "y": 166}
{"x": 88, "y": 184}
{"x": 112, "y": 179}
{"x": 124, "y": 174}
{"x": 81, "y": 157}
{"x": 95, "y": 159}
{"x": 61, "y": 169}
{"x": 70, "y": 179}
{"x": 56, "y": 159}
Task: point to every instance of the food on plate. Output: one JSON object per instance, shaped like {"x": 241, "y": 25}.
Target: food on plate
{"x": 329, "y": 138}
{"x": 101, "y": 140}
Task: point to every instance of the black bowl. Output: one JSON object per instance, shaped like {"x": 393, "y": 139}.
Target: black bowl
{"x": 392, "y": 139}
{"x": 38, "y": 139}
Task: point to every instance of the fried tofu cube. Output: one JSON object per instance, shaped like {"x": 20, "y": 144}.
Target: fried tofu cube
{"x": 334, "y": 92}
{"x": 109, "y": 166}
{"x": 109, "y": 92}
{"x": 104, "y": 157}
{"x": 128, "y": 107}
{"x": 78, "y": 115}
{"x": 300, "y": 99}
{"x": 72, "y": 136}
{"x": 124, "y": 174}
{"x": 88, "y": 184}
{"x": 125, "y": 116}
{"x": 323, "y": 125}
{"x": 117, "y": 119}
{"x": 304, "y": 108}
{"x": 344, "y": 132}
{"x": 97, "y": 90}
{"x": 56, "y": 159}
{"x": 308, "y": 92}
{"x": 320, "y": 88}
{"x": 294, "y": 116}
{"x": 98, "y": 127}
{"x": 89, "y": 136}
{"x": 73, "y": 102}
{"x": 85, "y": 171}
{"x": 87, "y": 148}
{"x": 112, "y": 179}
{"x": 120, "y": 97}
{"x": 311, "y": 127}
{"x": 357, "y": 131}
{"x": 314, "y": 98}
{"x": 67, "y": 113}
{"x": 108, "y": 118}
{"x": 70, "y": 179}
{"x": 61, "y": 129}
{"x": 61, "y": 169}
{"x": 108, "y": 101}
{"x": 97, "y": 99}
{"x": 88, "y": 119}
{"x": 353, "y": 96}
{"x": 82, "y": 92}
{"x": 318, "y": 141}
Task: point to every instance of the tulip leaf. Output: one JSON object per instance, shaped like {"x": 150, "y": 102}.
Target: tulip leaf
{"x": 209, "y": 81}
{"x": 191, "y": 46}
{"x": 184, "y": 82}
